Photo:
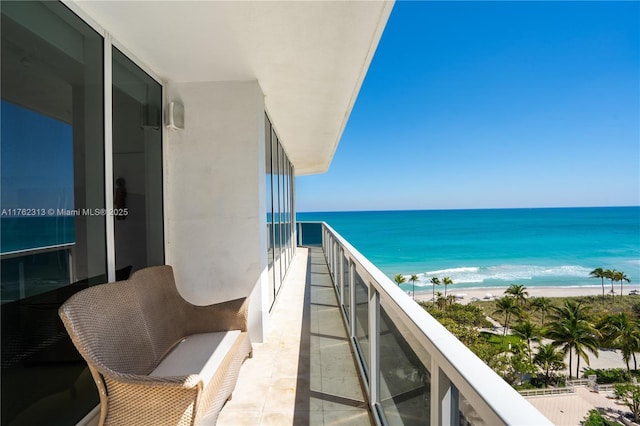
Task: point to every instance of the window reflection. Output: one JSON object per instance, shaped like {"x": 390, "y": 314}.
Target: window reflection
{"x": 404, "y": 379}
{"x": 53, "y": 240}
{"x": 362, "y": 320}
{"x": 137, "y": 167}
{"x": 279, "y": 182}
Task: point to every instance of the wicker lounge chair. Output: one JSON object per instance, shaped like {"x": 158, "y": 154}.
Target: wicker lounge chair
{"x": 156, "y": 359}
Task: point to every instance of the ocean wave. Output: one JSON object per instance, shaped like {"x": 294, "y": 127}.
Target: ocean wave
{"x": 479, "y": 275}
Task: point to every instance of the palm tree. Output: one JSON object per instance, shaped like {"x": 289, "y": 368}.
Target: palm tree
{"x": 446, "y": 281}
{"x": 413, "y": 280}
{"x": 450, "y": 299}
{"x": 399, "y": 279}
{"x": 622, "y": 277}
{"x": 549, "y": 358}
{"x": 609, "y": 274}
{"x": 440, "y": 300}
{"x": 572, "y": 330}
{"x": 508, "y": 306}
{"x": 519, "y": 292}
{"x": 542, "y": 304}
{"x": 599, "y": 273}
{"x": 434, "y": 282}
{"x": 623, "y": 333}
{"x": 527, "y": 331}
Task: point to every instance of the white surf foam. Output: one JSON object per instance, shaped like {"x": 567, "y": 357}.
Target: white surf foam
{"x": 479, "y": 275}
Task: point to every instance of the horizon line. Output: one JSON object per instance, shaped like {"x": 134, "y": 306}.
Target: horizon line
{"x": 473, "y": 208}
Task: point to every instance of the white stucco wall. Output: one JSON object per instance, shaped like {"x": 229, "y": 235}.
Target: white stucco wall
{"x": 215, "y": 211}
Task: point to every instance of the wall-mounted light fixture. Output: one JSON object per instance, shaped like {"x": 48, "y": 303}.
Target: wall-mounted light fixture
{"x": 175, "y": 116}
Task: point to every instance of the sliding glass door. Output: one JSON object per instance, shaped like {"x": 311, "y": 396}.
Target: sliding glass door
{"x": 137, "y": 167}
{"x": 52, "y": 156}
{"x": 280, "y": 229}
{"x": 55, "y": 182}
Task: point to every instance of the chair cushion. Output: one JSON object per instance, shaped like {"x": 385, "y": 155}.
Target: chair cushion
{"x": 197, "y": 354}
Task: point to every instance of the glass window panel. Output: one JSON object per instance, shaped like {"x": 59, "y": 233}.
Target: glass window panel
{"x": 281, "y": 198}
{"x": 339, "y": 275}
{"x": 468, "y": 414}
{"x": 285, "y": 211}
{"x": 137, "y": 168}
{"x": 280, "y": 217}
{"x": 52, "y": 245}
{"x": 292, "y": 240}
{"x": 362, "y": 319}
{"x": 288, "y": 208}
{"x": 347, "y": 288}
{"x": 292, "y": 209}
{"x": 404, "y": 378}
{"x": 276, "y": 211}
{"x": 311, "y": 233}
{"x": 269, "y": 201}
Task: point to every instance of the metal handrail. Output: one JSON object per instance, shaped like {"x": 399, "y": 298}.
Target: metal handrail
{"x": 494, "y": 400}
{"x": 547, "y": 391}
{"x": 36, "y": 250}
{"x": 577, "y": 382}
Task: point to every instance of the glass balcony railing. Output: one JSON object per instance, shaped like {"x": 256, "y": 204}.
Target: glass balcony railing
{"x": 414, "y": 370}
{"x": 33, "y": 271}
{"x": 309, "y": 234}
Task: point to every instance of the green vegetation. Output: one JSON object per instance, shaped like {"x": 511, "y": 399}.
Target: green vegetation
{"x": 541, "y": 305}
{"x": 465, "y": 315}
{"x": 529, "y": 332}
{"x": 629, "y": 394}
{"x": 399, "y": 279}
{"x": 621, "y": 331}
{"x": 413, "y": 280}
{"x": 577, "y": 326}
{"x": 504, "y": 345}
{"x": 595, "y": 418}
{"x": 434, "y": 282}
{"x": 463, "y": 321}
{"x": 519, "y": 293}
{"x": 549, "y": 359}
{"x": 572, "y": 331}
{"x": 507, "y": 306}
{"x": 611, "y": 375}
{"x": 599, "y": 273}
{"x": 629, "y": 304}
{"x": 447, "y": 282}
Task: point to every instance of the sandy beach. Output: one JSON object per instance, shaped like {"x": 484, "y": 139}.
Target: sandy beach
{"x": 466, "y": 295}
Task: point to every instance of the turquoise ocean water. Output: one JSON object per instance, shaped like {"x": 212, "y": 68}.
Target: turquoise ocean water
{"x": 24, "y": 233}
{"x": 495, "y": 248}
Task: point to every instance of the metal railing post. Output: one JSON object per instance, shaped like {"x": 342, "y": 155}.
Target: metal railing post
{"x": 445, "y": 398}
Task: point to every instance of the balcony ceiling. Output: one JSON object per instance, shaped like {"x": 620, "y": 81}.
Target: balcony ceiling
{"x": 309, "y": 57}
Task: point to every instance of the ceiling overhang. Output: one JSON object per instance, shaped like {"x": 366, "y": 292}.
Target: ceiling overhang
{"x": 309, "y": 57}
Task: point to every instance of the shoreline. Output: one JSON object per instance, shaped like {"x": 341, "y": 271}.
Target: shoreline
{"x": 467, "y": 295}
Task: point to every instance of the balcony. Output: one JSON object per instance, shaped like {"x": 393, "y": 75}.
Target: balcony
{"x": 347, "y": 346}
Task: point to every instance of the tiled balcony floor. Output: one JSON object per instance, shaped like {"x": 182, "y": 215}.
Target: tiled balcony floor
{"x": 304, "y": 373}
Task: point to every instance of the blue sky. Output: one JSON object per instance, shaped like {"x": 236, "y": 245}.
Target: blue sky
{"x": 492, "y": 105}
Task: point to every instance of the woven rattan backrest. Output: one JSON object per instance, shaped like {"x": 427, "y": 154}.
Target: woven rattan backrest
{"x": 162, "y": 307}
{"x": 108, "y": 328}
